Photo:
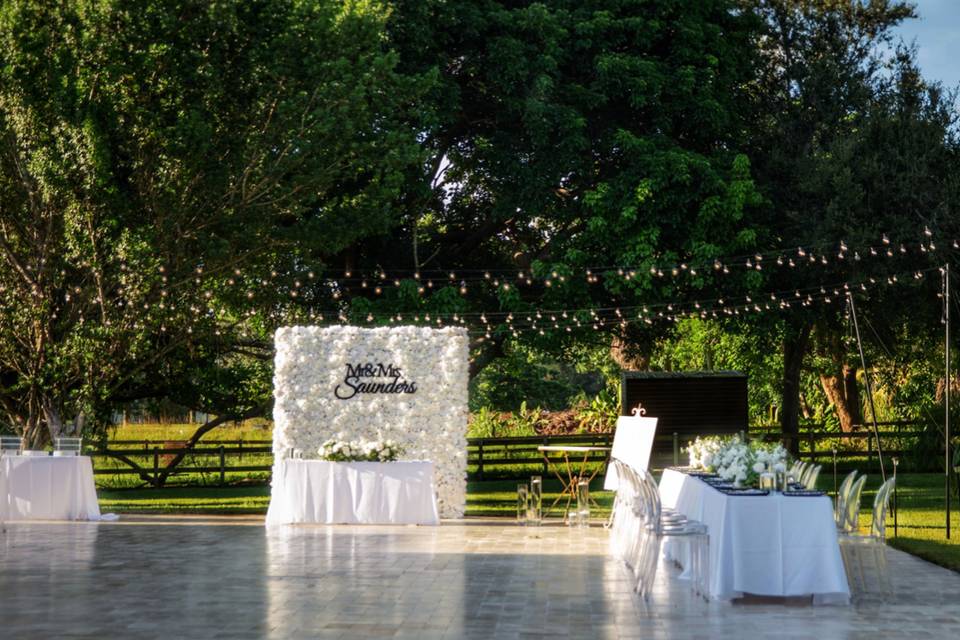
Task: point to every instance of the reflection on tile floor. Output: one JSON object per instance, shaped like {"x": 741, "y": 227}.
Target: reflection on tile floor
{"x": 232, "y": 578}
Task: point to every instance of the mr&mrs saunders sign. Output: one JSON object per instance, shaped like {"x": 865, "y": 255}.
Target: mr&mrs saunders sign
{"x": 373, "y": 378}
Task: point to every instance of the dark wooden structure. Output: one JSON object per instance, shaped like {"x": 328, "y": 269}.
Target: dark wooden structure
{"x": 688, "y": 404}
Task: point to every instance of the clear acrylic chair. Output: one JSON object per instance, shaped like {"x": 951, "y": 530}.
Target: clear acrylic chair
{"x": 799, "y": 471}
{"x": 67, "y": 446}
{"x": 856, "y": 547}
{"x": 658, "y": 525}
{"x": 851, "y": 506}
{"x": 810, "y": 481}
{"x": 10, "y": 445}
{"x": 620, "y": 499}
{"x": 839, "y": 507}
{"x": 622, "y": 520}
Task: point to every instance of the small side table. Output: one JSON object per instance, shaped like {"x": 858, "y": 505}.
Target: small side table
{"x": 569, "y": 483}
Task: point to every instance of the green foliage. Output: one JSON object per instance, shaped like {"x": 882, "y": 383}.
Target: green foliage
{"x": 166, "y": 170}
{"x": 486, "y": 423}
{"x": 526, "y": 374}
{"x": 600, "y": 415}
{"x": 525, "y": 422}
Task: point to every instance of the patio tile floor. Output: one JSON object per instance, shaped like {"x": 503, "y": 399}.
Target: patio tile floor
{"x": 168, "y": 577}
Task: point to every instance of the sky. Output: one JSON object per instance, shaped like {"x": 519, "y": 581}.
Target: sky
{"x": 937, "y": 35}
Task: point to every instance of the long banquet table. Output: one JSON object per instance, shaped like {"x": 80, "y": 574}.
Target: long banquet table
{"x": 770, "y": 545}
{"x": 318, "y": 491}
{"x": 47, "y": 488}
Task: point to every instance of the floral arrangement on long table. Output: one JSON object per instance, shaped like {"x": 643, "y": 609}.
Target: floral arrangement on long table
{"x": 735, "y": 460}
{"x": 381, "y": 450}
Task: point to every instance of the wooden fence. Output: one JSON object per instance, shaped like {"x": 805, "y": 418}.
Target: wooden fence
{"x": 488, "y": 457}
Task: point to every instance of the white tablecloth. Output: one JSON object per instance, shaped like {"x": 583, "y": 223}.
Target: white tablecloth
{"x": 353, "y": 493}
{"x": 47, "y": 488}
{"x": 763, "y": 545}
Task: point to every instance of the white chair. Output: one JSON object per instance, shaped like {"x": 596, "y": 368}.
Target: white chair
{"x": 851, "y": 506}
{"x": 67, "y": 446}
{"x": 658, "y": 524}
{"x": 849, "y": 525}
{"x": 810, "y": 481}
{"x": 622, "y": 515}
{"x": 839, "y": 506}
{"x": 856, "y": 547}
{"x": 798, "y": 471}
{"x": 10, "y": 445}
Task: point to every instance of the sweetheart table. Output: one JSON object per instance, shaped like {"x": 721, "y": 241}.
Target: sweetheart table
{"x": 47, "y": 488}
{"x": 319, "y": 491}
{"x": 771, "y": 545}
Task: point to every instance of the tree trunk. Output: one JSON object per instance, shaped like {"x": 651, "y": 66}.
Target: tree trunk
{"x": 835, "y": 389}
{"x": 852, "y": 390}
{"x": 51, "y": 415}
{"x": 795, "y": 345}
{"x": 628, "y": 355}
{"x": 805, "y": 409}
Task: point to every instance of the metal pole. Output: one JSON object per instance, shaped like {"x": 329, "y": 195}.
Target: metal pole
{"x": 866, "y": 381}
{"x": 835, "y": 472}
{"x": 896, "y": 503}
{"x": 946, "y": 418}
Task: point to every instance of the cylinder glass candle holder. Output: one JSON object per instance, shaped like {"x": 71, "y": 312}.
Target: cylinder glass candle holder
{"x": 768, "y": 481}
{"x": 535, "y": 501}
{"x": 781, "y": 481}
{"x": 523, "y": 496}
{"x": 583, "y": 503}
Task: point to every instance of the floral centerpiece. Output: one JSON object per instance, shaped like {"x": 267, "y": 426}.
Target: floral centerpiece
{"x": 360, "y": 450}
{"x": 734, "y": 459}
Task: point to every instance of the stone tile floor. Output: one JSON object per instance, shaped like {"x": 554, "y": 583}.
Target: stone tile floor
{"x": 174, "y": 577}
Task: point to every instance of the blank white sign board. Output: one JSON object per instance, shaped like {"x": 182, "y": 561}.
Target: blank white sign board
{"x": 632, "y": 444}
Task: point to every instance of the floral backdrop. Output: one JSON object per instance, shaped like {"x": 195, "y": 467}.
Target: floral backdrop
{"x": 406, "y": 384}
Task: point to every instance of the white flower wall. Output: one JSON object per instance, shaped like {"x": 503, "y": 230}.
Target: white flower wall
{"x": 408, "y": 384}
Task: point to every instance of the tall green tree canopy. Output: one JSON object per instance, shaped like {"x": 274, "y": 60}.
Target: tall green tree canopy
{"x": 564, "y": 136}
{"x": 165, "y": 169}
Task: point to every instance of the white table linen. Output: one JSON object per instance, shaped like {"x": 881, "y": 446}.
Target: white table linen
{"x": 762, "y": 545}
{"x": 318, "y": 491}
{"x": 47, "y": 488}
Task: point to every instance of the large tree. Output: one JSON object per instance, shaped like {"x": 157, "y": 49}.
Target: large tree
{"x": 848, "y": 144}
{"x": 564, "y": 136}
{"x": 171, "y": 173}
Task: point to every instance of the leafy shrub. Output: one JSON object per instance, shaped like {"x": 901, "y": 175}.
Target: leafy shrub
{"x": 600, "y": 415}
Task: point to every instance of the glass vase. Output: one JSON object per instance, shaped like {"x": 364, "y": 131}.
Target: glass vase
{"x": 535, "y": 501}
{"x": 583, "y": 504}
{"x": 768, "y": 481}
{"x": 523, "y": 497}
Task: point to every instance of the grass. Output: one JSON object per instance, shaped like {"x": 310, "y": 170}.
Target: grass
{"x": 920, "y": 520}
{"x": 488, "y": 498}
{"x": 205, "y": 500}
{"x": 499, "y": 498}
{"x": 251, "y": 430}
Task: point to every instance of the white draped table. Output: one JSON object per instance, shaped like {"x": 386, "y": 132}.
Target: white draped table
{"x": 770, "y": 545}
{"x": 318, "y": 491}
{"x": 47, "y": 488}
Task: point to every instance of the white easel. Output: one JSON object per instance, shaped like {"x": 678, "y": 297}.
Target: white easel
{"x": 632, "y": 444}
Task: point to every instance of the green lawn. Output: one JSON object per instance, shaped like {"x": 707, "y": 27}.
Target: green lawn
{"x": 921, "y": 522}
{"x": 191, "y": 499}
{"x": 490, "y": 498}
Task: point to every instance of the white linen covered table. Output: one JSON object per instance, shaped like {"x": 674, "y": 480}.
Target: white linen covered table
{"x": 47, "y": 488}
{"x": 770, "y": 545}
{"x": 318, "y": 491}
